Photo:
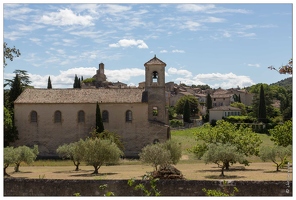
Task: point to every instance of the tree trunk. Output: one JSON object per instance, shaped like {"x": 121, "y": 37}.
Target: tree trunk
{"x": 277, "y": 167}
{"x": 226, "y": 165}
{"x": 5, "y": 173}
{"x": 222, "y": 171}
{"x": 17, "y": 167}
{"x": 77, "y": 166}
{"x": 96, "y": 169}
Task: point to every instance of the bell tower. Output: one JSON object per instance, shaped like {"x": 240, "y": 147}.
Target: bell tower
{"x": 155, "y": 89}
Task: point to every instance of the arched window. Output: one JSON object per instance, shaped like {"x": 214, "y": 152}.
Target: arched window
{"x": 155, "y": 77}
{"x": 128, "y": 116}
{"x": 57, "y": 116}
{"x": 81, "y": 116}
{"x": 105, "y": 116}
{"x": 33, "y": 116}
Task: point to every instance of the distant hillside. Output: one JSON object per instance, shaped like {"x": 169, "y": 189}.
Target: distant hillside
{"x": 286, "y": 83}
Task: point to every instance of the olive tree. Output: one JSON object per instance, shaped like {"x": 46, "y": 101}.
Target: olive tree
{"x": 161, "y": 154}
{"x": 155, "y": 155}
{"x": 25, "y": 154}
{"x": 9, "y": 158}
{"x": 100, "y": 151}
{"x": 243, "y": 138}
{"x": 73, "y": 151}
{"x": 222, "y": 154}
{"x": 276, "y": 154}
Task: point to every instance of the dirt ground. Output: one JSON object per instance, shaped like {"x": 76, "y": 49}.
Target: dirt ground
{"x": 199, "y": 171}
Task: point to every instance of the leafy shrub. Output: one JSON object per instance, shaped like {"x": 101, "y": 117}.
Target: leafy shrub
{"x": 176, "y": 123}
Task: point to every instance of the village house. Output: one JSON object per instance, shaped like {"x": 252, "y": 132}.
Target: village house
{"x": 53, "y": 117}
{"x": 218, "y": 113}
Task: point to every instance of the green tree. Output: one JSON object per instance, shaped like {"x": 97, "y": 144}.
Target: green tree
{"x": 108, "y": 135}
{"x": 186, "y": 112}
{"x": 49, "y": 86}
{"x": 240, "y": 106}
{"x": 99, "y": 120}
{"x": 9, "y": 158}
{"x": 9, "y": 53}
{"x": 26, "y": 155}
{"x": 10, "y": 130}
{"x": 155, "y": 155}
{"x": 282, "y": 134}
{"x": 243, "y": 138}
{"x": 222, "y": 155}
{"x": 175, "y": 150}
{"x": 276, "y": 154}
{"x": 77, "y": 83}
{"x": 98, "y": 152}
{"x": 73, "y": 151}
{"x": 262, "y": 106}
{"x": 15, "y": 90}
{"x": 193, "y": 102}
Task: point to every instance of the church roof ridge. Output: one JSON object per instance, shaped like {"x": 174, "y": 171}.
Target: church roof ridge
{"x": 154, "y": 61}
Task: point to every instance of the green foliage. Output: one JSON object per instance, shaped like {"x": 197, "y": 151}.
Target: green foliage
{"x": 209, "y": 103}
{"x": 186, "y": 112}
{"x": 262, "y": 106}
{"x": 172, "y": 112}
{"x": 9, "y": 53}
{"x": 240, "y": 106}
{"x": 108, "y": 135}
{"x": 88, "y": 80}
{"x": 193, "y": 103}
{"x": 73, "y": 151}
{"x": 175, "y": 150}
{"x": 240, "y": 119}
{"x": 222, "y": 155}
{"x": 176, "y": 123}
{"x": 146, "y": 192}
{"x": 49, "y": 86}
{"x": 282, "y": 134}
{"x": 219, "y": 193}
{"x": 161, "y": 154}
{"x": 155, "y": 155}
{"x": 276, "y": 154}
{"x": 77, "y": 82}
{"x": 25, "y": 154}
{"x": 99, "y": 120}
{"x": 100, "y": 151}
{"x": 9, "y": 158}
{"x": 10, "y": 130}
{"x": 243, "y": 138}
{"x": 107, "y": 193}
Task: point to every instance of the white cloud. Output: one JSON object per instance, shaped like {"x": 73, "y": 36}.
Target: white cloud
{"x": 181, "y": 72}
{"x": 128, "y": 43}
{"x": 213, "y": 20}
{"x": 254, "y": 65}
{"x": 191, "y": 25}
{"x": 209, "y": 8}
{"x": 36, "y": 40}
{"x": 178, "y": 51}
{"x": 66, "y": 17}
{"x": 163, "y": 51}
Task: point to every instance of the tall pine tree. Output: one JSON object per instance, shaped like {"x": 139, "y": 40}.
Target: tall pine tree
{"x": 49, "y": 86}
{"x": 15, "y": 90}
{"x": 99, "y": 121}
{"x": 262, "y": 106}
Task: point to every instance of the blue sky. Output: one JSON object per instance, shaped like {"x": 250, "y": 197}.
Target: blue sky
{"x": 222, "y": 45}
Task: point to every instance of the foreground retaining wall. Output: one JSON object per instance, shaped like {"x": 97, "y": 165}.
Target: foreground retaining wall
{"x": 55, "y": 187}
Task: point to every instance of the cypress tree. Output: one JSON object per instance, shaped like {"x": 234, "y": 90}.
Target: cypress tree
{"x": 262, "y": 106}
{"x": 239, "y": 99}
{"x": 99, "y": 121}
{"x": 15, "y": 90}
{"x": 186, "y": 112}
{"x": 75, "y": 85}
{"x": 49, "y": 86}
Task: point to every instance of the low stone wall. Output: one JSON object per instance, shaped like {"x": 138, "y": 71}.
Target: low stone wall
{"x": 55, "y": 187}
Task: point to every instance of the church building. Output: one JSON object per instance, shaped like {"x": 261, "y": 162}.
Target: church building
{"x": 53, "y": 117}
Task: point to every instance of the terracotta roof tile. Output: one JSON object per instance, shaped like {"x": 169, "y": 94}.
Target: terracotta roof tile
{"x": 80, "y": 96}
